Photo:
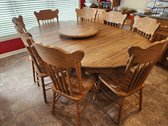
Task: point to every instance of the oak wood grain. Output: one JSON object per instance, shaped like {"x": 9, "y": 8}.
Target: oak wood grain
{"x": 108, "y": 48}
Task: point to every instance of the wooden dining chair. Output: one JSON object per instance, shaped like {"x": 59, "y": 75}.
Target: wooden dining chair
{"x": 145, "y": 26}
{"x": 114, "y": 18}
{"x": 86, "y": 14}
{"x": 39, "y": 69}
{"x": 127, "y": 80}
{"x": 20, "y": 28}
{"x": 46, "y": 16}
{"x": 72, "y": 85}
{"x": 39, "y": 73}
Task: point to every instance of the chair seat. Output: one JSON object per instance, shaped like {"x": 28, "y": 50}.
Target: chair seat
{"x": 118, "y": 81}
{"x": 87, "y": 83}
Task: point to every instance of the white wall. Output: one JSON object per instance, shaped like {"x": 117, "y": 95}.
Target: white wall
{"x": 135, "y": 4}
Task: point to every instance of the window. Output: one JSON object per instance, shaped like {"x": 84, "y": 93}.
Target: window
{"x": 26, "y": 8}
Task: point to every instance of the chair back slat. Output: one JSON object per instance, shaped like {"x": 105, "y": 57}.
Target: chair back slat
{"x": 86, "y": 14}
{"x": 141, "y": 62}
{"x": 140, "y": 75}
{"x": 62, "y": 81}
{"x": 46, "y": 16}
{"x": 115, "y": 18}
{"x": 59, "y": 65}
{"x": 145, "y": 72}
{"x": 59, "y": 77}
{"x": 145, "y": 26}
{"x": 65, "y": 84}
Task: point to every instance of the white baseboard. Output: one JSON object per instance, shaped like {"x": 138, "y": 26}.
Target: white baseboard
{"x": 12, "y": 53}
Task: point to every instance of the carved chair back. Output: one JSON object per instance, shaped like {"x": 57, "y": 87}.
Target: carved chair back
{"x": 141, "y": 62}
{"x": 46, "y": 16}
{"x": 19, "y": 24}
{"x": 28, "y": 41}
{"x": 86, "y": 14}
{"x": 115, "y": 18}
{"x": 145, "y": 26}
{"x": 21, "y": 30}
{"x": 59, "y": 65}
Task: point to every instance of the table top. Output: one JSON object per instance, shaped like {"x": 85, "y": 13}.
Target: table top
{"x": 108, "y": 48}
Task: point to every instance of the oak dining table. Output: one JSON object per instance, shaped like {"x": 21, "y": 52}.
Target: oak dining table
{"x": 105, "y": 49}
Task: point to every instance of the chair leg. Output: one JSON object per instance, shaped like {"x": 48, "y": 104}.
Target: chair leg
{"x": 55, "y": 99}
{"x": 120, "y": 111}
{"x": 97, "y": 83}
{"x": 78, "y": 113}
{"x": 37, "y": 78}
{"x": 43, "y": 88}
{"x": 53, "y": 103}
{"x": 34, "y": 75}
{"x": 140, "y": 99}
{"x": 94, "y": 91}
{"x": 96, "y": 86}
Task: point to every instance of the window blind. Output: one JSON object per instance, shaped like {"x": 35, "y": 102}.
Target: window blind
{"x": 26, "y": 8}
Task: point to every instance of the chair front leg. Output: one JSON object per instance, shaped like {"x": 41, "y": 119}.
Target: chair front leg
{"x": 43, "y": 88}
{"x": 120, "y": 111}
{"x": 53, "y": 103}
{"x": 55, "y": 99}
{"x": 94, "y": 89}
{"x": 34, "y": 75}
{"x": 140, "y": 99}
{"x": 37, "y": 78}
{"x": 78, "y": 113}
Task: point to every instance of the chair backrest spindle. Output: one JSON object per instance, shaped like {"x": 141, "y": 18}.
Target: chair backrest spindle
{"x": 141, "y": 62}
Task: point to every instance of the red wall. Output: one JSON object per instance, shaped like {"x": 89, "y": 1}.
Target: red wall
{"x": 11, "y": 45}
